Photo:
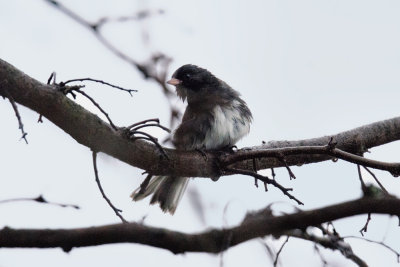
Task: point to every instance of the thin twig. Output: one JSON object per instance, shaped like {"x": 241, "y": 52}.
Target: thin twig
{"x": 138, "y": 16}
{"x": 283, "y": 160}
{"x": 156, "y": 120}
{"x": 99, "y": 81}
{"x": 379, "y": 243}
{"x": 151, "y": 125}
{"x": 51, "y": 78}
{"x": 365, "y": 227}
{"x": 273, "y": 173}
{"x": 153, "y": 140}
{"x": 15, "y": 107}
{"x": 363, "y": 186}
{"x": 98, "y": 106}
{"x": 267, "y": 180}
{"x": 116, "y": 210}
{"x": 39, "y": 199}
{"x": 279, "y": 251}
{"x": 323, "y": 260}
{"x": 376, "y": 180}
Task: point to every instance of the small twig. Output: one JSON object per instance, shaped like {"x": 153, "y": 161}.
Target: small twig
{"x": 268, "y": 249}
{"x": 363, "y": 186}
{"x": 51, "y": 78}
{"x": 279, "y": 251}
{"x": 153, "y": 140}
{"x": 150, "y": 125}
{"x": 99, "y": 81}
{"x": 40, "y": 199}
{"x": 255, "y": 170}
{"x": 156, "y": 120}
{"x": 267, "y": 180}
{"x": 283, "y": 160}
{"x": 323, "y": 260}
{"x": 15, "y": 107}
{"x": 116, "y": 210}
{"x": 138, "y": 16}
{"x": 365, "y": 228}
{"x": 273, "y": 173}
{"x": 376, "y": 180}
{"x": 98, "y": 106}
{"x": 378, "y": 243}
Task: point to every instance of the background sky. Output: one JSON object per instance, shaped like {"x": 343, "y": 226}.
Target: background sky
{"x": 305, "y": 68}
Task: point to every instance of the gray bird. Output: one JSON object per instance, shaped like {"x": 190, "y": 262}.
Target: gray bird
{"x": 215, "y": 118}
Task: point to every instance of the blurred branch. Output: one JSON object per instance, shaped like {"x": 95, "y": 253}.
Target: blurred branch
{"x": 39, "y": 199}
{"x": 329, "y": 241}
{"x": 89, "y": 130}
{"x": 155, "y": 68}
{"x": 256, "y": 224}
{"x": 378, "y": 243}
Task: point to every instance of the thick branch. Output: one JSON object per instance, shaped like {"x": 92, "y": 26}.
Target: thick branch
{"x": 254, "y": 225}
{"x": 89, "y": 130}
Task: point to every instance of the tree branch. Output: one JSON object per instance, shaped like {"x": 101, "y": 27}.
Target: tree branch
{"x": 89, "y": 130}
{"x": 257, "y": 224}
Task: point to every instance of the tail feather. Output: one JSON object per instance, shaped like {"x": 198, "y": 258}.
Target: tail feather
{"x": 166, "y": 190}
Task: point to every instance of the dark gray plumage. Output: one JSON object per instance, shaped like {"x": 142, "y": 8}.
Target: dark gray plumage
{"x": 215, "y": 118}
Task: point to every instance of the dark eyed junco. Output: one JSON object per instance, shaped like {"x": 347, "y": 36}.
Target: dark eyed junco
{"x": 215, "y": 118}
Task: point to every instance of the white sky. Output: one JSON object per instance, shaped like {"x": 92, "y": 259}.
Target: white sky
{"x": 306, "y": 69}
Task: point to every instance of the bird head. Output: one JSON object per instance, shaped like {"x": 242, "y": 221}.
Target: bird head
{"x": 192, "y": 82}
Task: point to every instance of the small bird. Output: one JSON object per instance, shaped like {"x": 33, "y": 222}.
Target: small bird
{"x": 215, "y": 118}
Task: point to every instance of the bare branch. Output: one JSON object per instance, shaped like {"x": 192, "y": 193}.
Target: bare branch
{"x": 245, "y": 154}
{"x": 329, "y": 241}
{"x": 212, "y": 241}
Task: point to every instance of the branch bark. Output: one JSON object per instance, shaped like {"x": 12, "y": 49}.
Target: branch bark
{"x": 89, "y": 130}
{"x": 255, "y": 225}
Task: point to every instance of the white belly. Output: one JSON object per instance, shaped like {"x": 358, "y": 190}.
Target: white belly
{"x": 227, "y": 128}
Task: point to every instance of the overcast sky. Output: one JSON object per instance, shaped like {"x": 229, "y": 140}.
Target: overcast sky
{"x": 305, "y": 68}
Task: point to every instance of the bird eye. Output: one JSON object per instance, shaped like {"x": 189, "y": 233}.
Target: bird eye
{"x": 187, "y": 75}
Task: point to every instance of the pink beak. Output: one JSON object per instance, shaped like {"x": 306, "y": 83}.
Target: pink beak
{"x": 174, "y": 81}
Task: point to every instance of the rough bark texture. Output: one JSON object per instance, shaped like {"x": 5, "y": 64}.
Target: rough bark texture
{"x": 89, "y": 130}
{"x": 258, "y": 224}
